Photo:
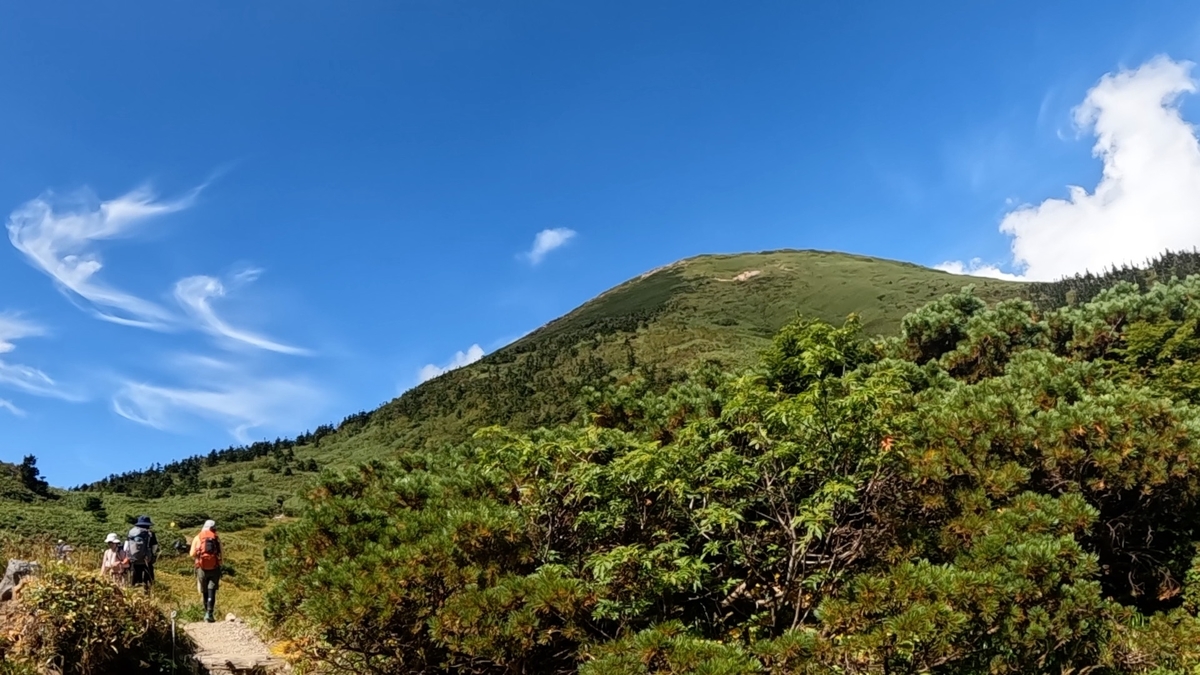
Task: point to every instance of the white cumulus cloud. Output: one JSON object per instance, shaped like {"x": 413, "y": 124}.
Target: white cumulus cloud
{"x": 548, "y": 240}
{"x": 1148, "y": 197}
{"x": 430, "y": 371}
{"x": 58, "y": 236}
{"x": 195, "y": 295}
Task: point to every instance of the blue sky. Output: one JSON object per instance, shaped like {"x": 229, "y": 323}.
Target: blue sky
{"x": 238, "y": 222}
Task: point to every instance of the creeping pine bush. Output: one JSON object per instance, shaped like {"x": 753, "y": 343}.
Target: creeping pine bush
{"x": 995, "y": 490}
{"x": 84, "y": 625}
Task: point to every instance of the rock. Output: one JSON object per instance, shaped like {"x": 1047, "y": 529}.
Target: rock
{"x": 230, "y": 617}
{"x": 16, "y": 571}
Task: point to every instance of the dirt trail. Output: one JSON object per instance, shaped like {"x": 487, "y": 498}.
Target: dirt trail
{"x": 231, "y": 647}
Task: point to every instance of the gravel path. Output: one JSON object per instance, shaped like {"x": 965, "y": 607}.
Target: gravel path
{"x": 231, "y": 647}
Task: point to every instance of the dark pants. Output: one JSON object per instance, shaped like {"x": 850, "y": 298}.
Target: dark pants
{"x": 207, "y": 582}
{"x": 143, "y": 575}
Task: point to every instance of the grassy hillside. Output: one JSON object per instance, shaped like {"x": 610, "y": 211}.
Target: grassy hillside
{"x": 722, "y": 308}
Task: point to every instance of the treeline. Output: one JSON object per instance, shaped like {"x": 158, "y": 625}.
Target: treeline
{"x": 995, "y": 490}
{"x": 1083, "y": 288}
{"x": 182, "y": 477}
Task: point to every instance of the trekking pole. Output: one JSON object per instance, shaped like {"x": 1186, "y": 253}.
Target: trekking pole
{"x": 174, "y": 613}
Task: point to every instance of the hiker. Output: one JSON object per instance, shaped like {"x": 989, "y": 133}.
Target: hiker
{"x": 206, "y": 551}
{"x": 142, "y": 548}
{"x": 62, "y": 550}
{"x": 115, "y": 563}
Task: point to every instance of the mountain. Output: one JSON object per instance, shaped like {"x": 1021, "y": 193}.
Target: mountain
{"x": 720, "y": 308}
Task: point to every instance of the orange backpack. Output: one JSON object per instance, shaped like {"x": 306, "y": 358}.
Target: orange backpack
{"x": 210, "y": 551}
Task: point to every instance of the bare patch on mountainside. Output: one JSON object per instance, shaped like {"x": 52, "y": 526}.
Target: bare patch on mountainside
{"x": 744, "y": 276}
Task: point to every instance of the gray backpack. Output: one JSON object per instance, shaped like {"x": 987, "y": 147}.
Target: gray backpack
{"x": 139, "y": 547}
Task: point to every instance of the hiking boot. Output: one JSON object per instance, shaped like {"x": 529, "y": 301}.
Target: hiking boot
{"x": 208, "y": 617}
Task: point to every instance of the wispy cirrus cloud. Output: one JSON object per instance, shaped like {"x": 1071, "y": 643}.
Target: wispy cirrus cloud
{"x": 14, "y": 327}
{"x": 240, "y": 403}
{"x": 195, "y": 294}
{"x": 21, "y": 377}
{"x": 59, "y": 236}
{"x": 8, "y": 405}
{"x": 63, "y": 236}
{"x": 430, "y": 371}
{"x": 30, "y": 380}
{"x": 546, "y": 241}
{"x": 1148, "y": 197}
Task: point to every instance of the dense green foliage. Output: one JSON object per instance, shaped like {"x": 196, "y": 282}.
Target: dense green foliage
{"x": 75, "y": 623}
{"x": 996, "y": 489}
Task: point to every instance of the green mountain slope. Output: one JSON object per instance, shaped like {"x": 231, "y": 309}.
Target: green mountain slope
{"x": 722, "y": 308}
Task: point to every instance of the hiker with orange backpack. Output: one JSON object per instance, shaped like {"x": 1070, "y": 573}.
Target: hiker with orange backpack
{"x": 206, "y": 551}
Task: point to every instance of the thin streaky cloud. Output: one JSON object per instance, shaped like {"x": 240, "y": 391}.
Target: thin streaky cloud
{"x": 20, "y": 377}
{"x": 58, "y": 236}
{"x": 8, "y": 405}
{"x": 195, "y": 295}
{"x": 239, "y": 406}
{"x": 14, "y": 327}
{"x": 548, "y": 240}
{"x": 33, "y": 381}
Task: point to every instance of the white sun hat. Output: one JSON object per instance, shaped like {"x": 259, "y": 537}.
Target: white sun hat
{"x": 112, "y": 538}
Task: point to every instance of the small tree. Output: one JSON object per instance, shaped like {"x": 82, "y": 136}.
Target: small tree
{"x": 31, "y": 477}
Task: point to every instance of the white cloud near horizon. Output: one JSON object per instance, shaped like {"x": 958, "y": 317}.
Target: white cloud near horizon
{"x": 57, "y": 236}
{"x": 976, "y": 268}
{"x": 1147, "y": 200}
{"x": 430, "y": 371}
{"x": 240, "y": 404}
{"x": 548, "y": 240}
{"x": 195, "y": 293}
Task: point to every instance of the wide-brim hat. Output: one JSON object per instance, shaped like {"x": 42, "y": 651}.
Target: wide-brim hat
{"x": 112, "y": 538}
{"x": 144, "y": 521}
